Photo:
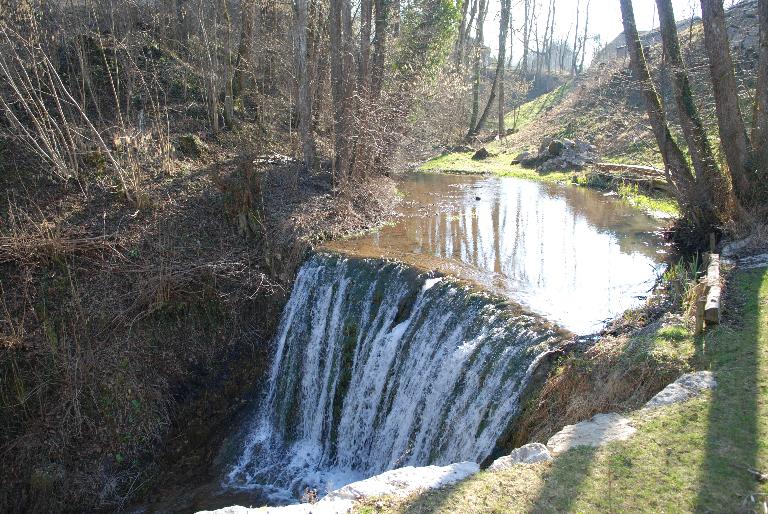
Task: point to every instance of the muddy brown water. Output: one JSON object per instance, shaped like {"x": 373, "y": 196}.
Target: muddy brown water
{"x": 573, "y": 255}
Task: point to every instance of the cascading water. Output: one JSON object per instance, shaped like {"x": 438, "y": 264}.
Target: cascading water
{"x": 377, "y": 366}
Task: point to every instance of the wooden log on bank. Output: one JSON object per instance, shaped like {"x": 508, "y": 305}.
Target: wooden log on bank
{"x": 643, "y": 176}
{"x": 636, "y": 169}
{"x": 712, "y": 305}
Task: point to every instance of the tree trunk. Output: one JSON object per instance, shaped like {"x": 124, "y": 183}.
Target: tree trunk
{"x": 229, "y": 107}
{"x": 379, "y": 47}
{"x": 242, "y": 63}
{"x": 503, "y": 28}
{"x": 760, "y": 128}
{"x": 526, "y": 37}
{"x": 584, "y": 39}
{"x": 733, "y": 132}
{"x": 304, "y": 103}
{"x": 712, "y": 189}
{"x": 337, "y": 86}
{"x": 459, "y": 49}
{"x": 676, "y": 167}
{"x": 478, "y": 47}
{"x": 574, "y": 60}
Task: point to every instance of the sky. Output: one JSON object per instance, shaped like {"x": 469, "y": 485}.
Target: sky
{"x": 604, "y": 19}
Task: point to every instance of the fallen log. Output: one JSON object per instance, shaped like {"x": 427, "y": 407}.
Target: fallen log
{"x": 631, "y": 168}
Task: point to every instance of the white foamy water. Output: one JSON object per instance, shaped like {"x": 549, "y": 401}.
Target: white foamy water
{"x": 377, "y": 367}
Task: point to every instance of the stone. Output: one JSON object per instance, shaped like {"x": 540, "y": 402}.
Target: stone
{"x": 568, "y": 143}
{"x": 527, "y": 454}
{"x": 397, "y": 482}
{"x": 684, "y": 388}
{"x": 555, "y": 148}
{"x": 481, "y": 155}
{"x": 404, "y": 481}
{"x": 523, "y": 156}
{"x": 600, "y": 430}
{"x": 755, "y": 261}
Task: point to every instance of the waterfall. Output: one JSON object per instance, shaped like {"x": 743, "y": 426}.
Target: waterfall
{"x": 378, "y": 366}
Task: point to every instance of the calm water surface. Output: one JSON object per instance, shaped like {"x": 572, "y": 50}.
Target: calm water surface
{"x": 574, "y": 255}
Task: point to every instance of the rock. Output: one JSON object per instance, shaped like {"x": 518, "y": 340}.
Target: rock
{"x": 481, "y": 155}
{"x": 684, "y": 388}
{"x": 755, "y": 261}
{"x": 528, "y": 454}
{"x": 398, "y": 482}
{"x": 600, "y": 430}
{"x": 555, "y": 148}
{"x": 523, "y": 156}
{"x": 568, "y": 143}
{"x": 404, "y": 481}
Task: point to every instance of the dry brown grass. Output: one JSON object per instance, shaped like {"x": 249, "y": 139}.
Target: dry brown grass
{"x": 617, "y": 374}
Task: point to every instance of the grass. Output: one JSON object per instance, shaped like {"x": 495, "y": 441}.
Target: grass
{"x": 693, "y": 456}
{"x": 649, "y": 203}
{"x": 529, "y": 111}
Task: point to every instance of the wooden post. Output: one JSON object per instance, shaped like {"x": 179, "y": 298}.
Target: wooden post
{"x": 700, "y": 308}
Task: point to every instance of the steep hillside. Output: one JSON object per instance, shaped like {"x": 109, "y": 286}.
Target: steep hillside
{"x": 604, "y": 106}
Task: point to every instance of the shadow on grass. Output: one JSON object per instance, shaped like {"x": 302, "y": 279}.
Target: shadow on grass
{"x": 738, "y": 356}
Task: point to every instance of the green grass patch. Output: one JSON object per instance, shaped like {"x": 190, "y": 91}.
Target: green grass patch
{"x": 529, "y": 111}
{"x": 654, "y": 204}
{"x": 689, "y": 457}
{"x": 497, "y": 164}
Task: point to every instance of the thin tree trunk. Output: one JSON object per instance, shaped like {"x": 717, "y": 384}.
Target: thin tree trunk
{"x": 337, "y": 86}
{"x": 242, "y": 63}
{"x": 459, "y": 49}
{"x": 584, "y": 39}
{"x": 760, "y": 125}
{"x": 503, "y": 29}
{"x": 478, "y": 47}
{"x": 712, "y": 189}
{"x": 379, "y": 47}
{"x": 229, "y": 107}
{"x": 526, "y": 37}
{"x": 676, "y": 167}
{"x": 733, "y": 132}
{"x": 551, "y": 38}
{"x": 574, "y": 60}
{"x": 304, "y": 104}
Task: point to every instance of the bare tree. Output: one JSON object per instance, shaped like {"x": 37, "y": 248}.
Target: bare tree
{"x": 503, "y": 28}
{"x": 733, "y": 131}
{"x": 304, "y": 103}
{"x": 760, "y": 125}
{"x": 574, "y": 60}
{"x": 712, "y": 189}
{"x": 478, "y": 56}
{"x": 676, "y": 167}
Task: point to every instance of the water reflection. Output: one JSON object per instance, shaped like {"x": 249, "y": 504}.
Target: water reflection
{"x": 571, "y": 254}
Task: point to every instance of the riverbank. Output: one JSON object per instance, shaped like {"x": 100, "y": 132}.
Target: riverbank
{"x": 703, "y": 454}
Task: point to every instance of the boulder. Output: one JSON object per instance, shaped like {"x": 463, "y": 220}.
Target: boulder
{"x": 684, "y": 388}
{"x": 598, "y": 431}
{"x": 481, "y": 154}
{"x": 523, "y": 157}
{"x": 528, "y": 454}
{"x": 555, "y": 148}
